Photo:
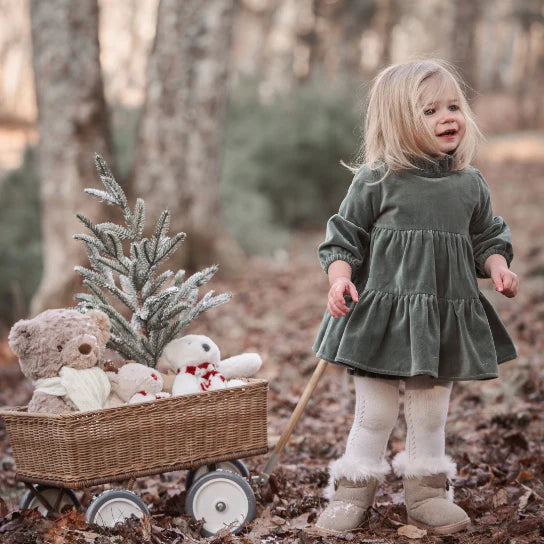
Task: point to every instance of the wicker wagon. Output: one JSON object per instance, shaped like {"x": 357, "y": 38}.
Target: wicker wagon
{"x": 204, "y": 432}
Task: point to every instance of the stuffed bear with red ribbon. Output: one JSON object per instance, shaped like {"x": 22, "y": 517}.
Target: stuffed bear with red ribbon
{"x": 134, "y": 382}
{"x": 195, "y": 361}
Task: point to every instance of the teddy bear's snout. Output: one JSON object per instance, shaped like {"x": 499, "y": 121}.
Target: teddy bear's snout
{"x": 85, "y": 349}
{"x": 206, "y": 347}
{"x": 82, "y": 352}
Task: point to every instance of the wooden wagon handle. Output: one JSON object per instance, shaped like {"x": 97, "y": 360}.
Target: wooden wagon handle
{"x": 293, "y": 420}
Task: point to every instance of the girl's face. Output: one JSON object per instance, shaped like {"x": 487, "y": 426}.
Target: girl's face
{"x": 441, "y": 113}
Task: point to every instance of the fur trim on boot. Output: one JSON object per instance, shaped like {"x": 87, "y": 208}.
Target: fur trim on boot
{"x": 424, "y": 466}
{"x": 402, "y": 466}
{"x": 355, "y": 470}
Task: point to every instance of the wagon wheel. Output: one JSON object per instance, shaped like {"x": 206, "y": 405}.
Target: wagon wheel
{"x": 115, "y": 506}
{"x": 222, "y": 499}
{"x": 57, "y": 497}
{"x": 234, "y": 465}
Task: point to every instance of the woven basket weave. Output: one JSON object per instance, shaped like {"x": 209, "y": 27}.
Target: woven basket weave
{"x": 90, "y": 448}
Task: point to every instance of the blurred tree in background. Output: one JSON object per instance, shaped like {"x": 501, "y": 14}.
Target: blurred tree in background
{"x": 530, "y": 17}
{"x": 72, "y": 121}
{"x": 466, "y": 16}
{"x": 181, "y": 128}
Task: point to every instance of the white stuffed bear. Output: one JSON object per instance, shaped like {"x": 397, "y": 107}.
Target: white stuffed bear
{"x": 196, "y": 362}
{"x": 133, "y": 383}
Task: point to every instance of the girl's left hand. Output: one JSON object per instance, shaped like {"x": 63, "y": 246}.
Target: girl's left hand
{"x": 506, "y": 282}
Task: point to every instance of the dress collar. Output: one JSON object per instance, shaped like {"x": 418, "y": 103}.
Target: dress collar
{"x": 432, "y": 168}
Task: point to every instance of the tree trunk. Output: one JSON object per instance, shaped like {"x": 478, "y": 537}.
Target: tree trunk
{"x": 385, "y": 20}
{"x": 72, "y": 125}
{"x": 252, "y": 26}
{"x": 178, "y": 160}
{"x": 350, "y": 23}
{"x": 17, "y": 100}
{"x": 279, "y": 51}
{"x": 530, "y": 61}
{"x": 466, "y": 17}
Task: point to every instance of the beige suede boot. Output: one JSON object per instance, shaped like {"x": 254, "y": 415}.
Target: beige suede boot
{"x": 428, "y": 495}
{"x": 349, "y": 506}
{"x": 352, "y": 487}
{"x": 428, "y": 506}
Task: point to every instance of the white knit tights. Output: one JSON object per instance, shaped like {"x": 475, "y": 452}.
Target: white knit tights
{"x": 376, "y": 412}
{"x": 426, "y": 403}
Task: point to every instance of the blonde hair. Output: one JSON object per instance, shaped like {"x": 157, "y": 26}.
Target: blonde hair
{"x": 395, "y": 130}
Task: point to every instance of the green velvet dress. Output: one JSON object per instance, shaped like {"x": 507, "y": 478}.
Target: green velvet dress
{"x": 416, "y": 243}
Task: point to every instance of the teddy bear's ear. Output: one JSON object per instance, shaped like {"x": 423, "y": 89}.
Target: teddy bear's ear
{"x": 20, "y": 336}
{"x": 113, "y": 377}
{"x": 163, "y": 364}
{"x": 103, "y": 322}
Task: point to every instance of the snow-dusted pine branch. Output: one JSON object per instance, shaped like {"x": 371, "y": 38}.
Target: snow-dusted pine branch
{"x": 162, "y": 305}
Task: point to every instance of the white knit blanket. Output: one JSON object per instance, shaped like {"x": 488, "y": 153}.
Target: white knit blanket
{"x": 88, "y": 389}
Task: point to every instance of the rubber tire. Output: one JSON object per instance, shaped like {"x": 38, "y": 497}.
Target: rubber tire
{"x": 29, "y": 501}
{"x": 234, "y": 465}
{"x": 99, "y": 504}
{"x": 220, "y": 476}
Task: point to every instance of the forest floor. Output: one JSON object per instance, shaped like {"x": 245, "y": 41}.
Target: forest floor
{"x": 494, "y": 432}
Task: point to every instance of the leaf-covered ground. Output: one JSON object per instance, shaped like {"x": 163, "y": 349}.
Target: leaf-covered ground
{"x": 494, "y": 431}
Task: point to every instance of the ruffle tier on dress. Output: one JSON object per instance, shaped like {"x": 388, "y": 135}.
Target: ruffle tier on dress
{"x": 413, "y": 320}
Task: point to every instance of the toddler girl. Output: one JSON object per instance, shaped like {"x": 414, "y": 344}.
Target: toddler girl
{"x": 412, "y": 235}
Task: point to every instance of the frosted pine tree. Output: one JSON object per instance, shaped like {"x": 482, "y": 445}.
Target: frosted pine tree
{"x": 161, "y": 305}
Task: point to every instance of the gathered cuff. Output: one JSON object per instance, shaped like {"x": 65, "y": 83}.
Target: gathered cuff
{"x": 480, "y": 261}
{"x": 344, "y": 256}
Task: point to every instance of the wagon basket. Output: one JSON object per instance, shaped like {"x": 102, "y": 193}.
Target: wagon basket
{"x": 90, "y": 448}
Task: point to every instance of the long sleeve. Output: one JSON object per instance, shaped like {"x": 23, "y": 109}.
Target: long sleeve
{"x": 347, "y": 236}
{"x": 489, "y": 234}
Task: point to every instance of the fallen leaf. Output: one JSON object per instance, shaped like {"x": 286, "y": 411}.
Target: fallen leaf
{"x": 73, "y": 519}
{"x": 411, "y": 532}
{"x": 300, "y": 522}
{"x": 517, "y": 440}
{"x": 524, "y": 499}
{"x": 489, "y": 519}
{"x": 525, "y": 476}
{"x": 3, "y": 508}
{"x": 523, "y": 527}
{"x": 500, "y": 498}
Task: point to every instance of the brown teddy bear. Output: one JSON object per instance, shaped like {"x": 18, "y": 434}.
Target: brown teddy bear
{"x": 60, "y": 351}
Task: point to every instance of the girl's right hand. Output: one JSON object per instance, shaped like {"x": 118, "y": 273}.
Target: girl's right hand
{"x": 336, "y": 304}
